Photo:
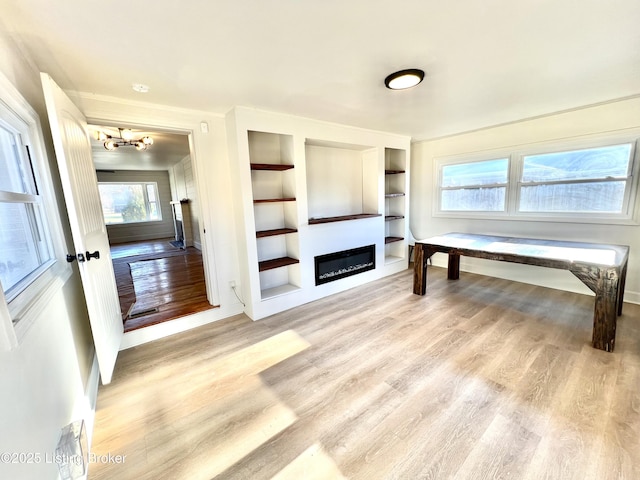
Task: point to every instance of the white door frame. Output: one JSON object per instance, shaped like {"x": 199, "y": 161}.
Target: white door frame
{"x": 203, "y": 239}
{"x": 208, "y": 144}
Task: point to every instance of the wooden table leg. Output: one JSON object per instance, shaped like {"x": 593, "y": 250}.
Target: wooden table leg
{"x": 419, "y": 270}
{"x": 621, "y": 282}
{"x": 453, "y": 271}
{"x": 606, "y": 310}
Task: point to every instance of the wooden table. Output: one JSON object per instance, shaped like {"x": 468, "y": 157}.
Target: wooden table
{"x": 602, "y": 268}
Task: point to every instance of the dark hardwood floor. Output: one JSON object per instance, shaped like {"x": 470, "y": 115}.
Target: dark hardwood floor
{"x": 158, "y": 282}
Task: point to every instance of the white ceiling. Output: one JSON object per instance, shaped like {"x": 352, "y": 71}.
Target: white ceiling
{"x": 487, "y": 62}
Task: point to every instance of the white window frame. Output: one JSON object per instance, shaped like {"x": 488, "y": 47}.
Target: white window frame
{"x": 146, "y": 201}
{"x": 630, "y": 209}
{"x": 441, "y": 163}
{"x": 20, "y": 313}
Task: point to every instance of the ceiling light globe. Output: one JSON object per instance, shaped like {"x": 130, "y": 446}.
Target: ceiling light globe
{"x": 404, "y": 79}
{"x": 140, "y": 146}
{"x": 147, "y": 140}
{"x": 126, "y": 134}
{"x": 110, "y": 145}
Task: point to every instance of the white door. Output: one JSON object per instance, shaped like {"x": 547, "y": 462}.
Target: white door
{"x": 80, "y": 187}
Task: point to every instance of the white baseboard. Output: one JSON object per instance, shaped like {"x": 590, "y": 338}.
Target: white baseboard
{"x": 632, "y": 297}
{"x": 165, "y": 329}
{"x": 91, "y": 394}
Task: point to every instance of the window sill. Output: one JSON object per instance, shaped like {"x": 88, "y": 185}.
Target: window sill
{"x": 130, "y": 224}
{"x": 501, "y": 216}
{"x": 37, "y": 298}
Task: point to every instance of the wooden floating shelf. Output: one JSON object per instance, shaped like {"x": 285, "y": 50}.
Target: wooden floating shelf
{"x": 273, "y": 200}
{"x": 342, "y": 218}
{"x": 393, "y": 172}
{"x": 392, "y": 195}
{"x": 393, "y": 239}
{"x": 388, "y": 218}
{"x": 277, "y": 231}
{"x": 276, "y": 263}
{"x": 278, "y": 167}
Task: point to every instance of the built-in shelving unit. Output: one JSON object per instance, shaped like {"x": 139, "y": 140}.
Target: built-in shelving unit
{"x": 271, "y": 162}
{"x": 395, "y": 163}
{"x": 306, "y": 191}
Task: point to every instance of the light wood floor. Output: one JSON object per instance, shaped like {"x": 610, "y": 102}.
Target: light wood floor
{"x": 481, "y": 378}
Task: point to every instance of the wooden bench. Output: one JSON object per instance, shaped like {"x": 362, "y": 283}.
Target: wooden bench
{"x": 602, "y": 268}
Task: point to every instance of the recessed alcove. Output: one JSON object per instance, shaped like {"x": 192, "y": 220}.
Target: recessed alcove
{"x": 342, "y": 181}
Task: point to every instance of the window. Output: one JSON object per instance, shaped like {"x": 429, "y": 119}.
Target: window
{"x": 25, "y": 247}
{"x": 130, "y": 202}
{"x": 31, "y": 241}
{"x": 476, "y": 186}
{"x": 588, "y": 182}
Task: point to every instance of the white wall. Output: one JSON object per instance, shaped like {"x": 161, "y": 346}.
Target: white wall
{"x": 616, "y": 116}
{"x": 46, "y": 381}
{"x": 134, "y": 232}
{"x": 183, "y": 185}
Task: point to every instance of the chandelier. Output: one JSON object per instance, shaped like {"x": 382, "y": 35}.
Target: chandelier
{"x": 125, "y": 138}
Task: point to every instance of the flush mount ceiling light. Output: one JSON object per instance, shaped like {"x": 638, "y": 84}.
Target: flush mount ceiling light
{"x": 140, "y": 87}
{"x": 404, "y": 79}
{"x": 125, "y": 138}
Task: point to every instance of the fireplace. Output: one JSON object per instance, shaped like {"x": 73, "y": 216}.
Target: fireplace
{"x": 182, "y": 224}
{"x": 334, "y": 266}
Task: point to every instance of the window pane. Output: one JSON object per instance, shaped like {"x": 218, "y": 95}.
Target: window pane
{"x": 592, "y": 163}
{"x": 151, "y": 193}
{"x": 153, "y": 212}
{"x": 129, "y": 202}
{"x": 489, "y": 172}
{"x": 122, "y": 203}
{"x": 474, "y": 199}
{"x": 21, "y": 249}
{"x": 12, "y": 178}
{"x": 606, "y": 197}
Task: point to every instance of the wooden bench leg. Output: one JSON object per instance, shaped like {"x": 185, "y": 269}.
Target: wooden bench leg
{"x": 453, "y": 271}
{"x": 605, "y": 314}
{"x": 621, "y": 285}
{"x": 419, "y": 271}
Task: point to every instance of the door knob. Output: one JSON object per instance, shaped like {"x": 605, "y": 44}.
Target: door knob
{"x": 95, "y": 255}
{"x": 79, "y": 257}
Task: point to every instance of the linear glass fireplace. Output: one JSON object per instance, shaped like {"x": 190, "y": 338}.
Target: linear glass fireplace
{"x": 334, "y": 266}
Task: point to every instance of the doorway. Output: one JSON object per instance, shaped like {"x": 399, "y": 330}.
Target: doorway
{"x": 156, "y": 252}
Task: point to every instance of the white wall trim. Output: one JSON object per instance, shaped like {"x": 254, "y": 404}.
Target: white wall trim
{"x": 91, "y": 394}
{"x": 165, "y": 329}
